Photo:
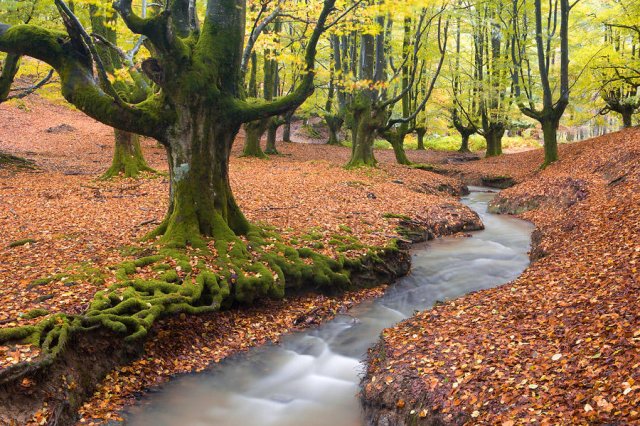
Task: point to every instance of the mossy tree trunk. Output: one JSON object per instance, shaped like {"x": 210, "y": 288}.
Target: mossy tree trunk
{"x": 364, "y": 113}
{"x": 272, "y": 132}
{"x": 286, "y": 131}
{"x": 464, "y": 145}
{"x": 552, "y": 110}
{"x": 334, "y": 124}
{"x": 128, "y": 160}
{"x": 363, "y": 133}
{"x": 396, "y": 138}
{"x": 420, "y": 132}
{"x": 253, "y": 135}
{"x": 465, "y": 132}
{"x": 550, "y": 135}
{"x": 9, "y": 70}
{"x": 201, "y": 200}
{"x": 627, "y": 118}
{"x": 493, "y": 135}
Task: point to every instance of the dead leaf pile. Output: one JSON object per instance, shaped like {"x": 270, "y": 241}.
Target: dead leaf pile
{"x": 559, "y": 345}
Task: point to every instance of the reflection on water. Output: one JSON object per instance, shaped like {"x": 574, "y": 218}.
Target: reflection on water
{"x": 311, "y": 378}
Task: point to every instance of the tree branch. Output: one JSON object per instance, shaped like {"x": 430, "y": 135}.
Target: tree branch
{"x": 250, "y": 111}
{"x": 78, "y": 83}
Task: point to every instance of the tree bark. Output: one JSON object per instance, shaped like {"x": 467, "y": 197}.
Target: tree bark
{"x": 493, "y": 135}
{"x": 421, "y": 131}
{"x": 627, "y": 119}
{"x": 272, "y": 132}
{"x": 201, "y": 200}
{"x": 334, "y": 123}
{"x": 128, "y": 160}
{"x": 550, "y": 134}
{"x": 363, "y": 135}
{"x": 286, "y": 132}
{"x": 397, "y": 142}
{"x": 464, "y": 146}
{"x": 253, "y": 135}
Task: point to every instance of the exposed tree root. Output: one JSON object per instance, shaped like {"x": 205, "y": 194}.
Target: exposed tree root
{"x": 229, "y": 270}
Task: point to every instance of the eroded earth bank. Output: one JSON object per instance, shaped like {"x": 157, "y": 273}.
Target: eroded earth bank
{"x": 560, "y": 344}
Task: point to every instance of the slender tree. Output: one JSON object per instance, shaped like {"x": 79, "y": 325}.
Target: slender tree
{"x": 556, "y": 30}
{"x": 372, "y": 106}
{"x": 619, "y": 88}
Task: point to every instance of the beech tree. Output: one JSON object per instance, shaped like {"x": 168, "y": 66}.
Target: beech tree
{"x": 485, "y": 108}
{"x": 128, "y": 159}
{"x": 550, "y": 30}
{"x": 620, "y": 87}
{"x": 198, "y": 110}
{"x": 372, "y": 105}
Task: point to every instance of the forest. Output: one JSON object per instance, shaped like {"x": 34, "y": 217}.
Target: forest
{"x": 286, "y": 212}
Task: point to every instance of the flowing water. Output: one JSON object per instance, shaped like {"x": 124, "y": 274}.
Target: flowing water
{"x": 311, "y": 378}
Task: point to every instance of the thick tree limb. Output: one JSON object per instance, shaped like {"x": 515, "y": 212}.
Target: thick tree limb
{"x": 79, "y": 86}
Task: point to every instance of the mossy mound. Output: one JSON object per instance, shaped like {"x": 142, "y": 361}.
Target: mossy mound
{"x": 226, "y": 271}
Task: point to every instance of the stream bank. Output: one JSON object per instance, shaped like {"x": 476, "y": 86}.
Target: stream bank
{"x": 558, "y": 345}
{"x": 313, "y": 375}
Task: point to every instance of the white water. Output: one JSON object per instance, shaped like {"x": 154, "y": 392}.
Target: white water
{"x": 312, "y": 377}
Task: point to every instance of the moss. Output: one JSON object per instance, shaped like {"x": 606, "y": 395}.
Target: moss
{"x": 40, "y": 281}
{"x": 427, "y": 167}
{"x": 21, "y": 242}
{"x": 243, "y": 271}
{"x": 171, "y": 276}
{"x": 395, "y": 216}
{"x": 345, "y": 228}
{"x": 10, "y": 160}
{"x": 35, "y": 313}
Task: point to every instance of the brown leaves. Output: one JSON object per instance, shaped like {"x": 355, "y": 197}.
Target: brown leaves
{"x": 559, "y": 345}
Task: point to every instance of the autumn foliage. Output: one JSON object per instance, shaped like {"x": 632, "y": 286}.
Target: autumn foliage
{"x": 559, "y": 345}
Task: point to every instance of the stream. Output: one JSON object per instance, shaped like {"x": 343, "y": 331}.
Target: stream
{"x": 311, "y": 378}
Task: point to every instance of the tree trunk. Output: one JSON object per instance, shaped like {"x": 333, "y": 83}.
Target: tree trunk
{"x": 127, "y": 157}
{"x": 550, "y": 135}
{"x": 253, "y": 134}
{"x": 201, "y": 200}
{"x": 493, "y": 136}
{"x": 421, "y": 131}
{"x": 286, "y": 132}
{"x": 396, "y": 139}
{"x": 363, "y": 135}
{"x": 272, "y": 131}
{"x": 464, "y": 146}
{"x": 627, "y": 118}
{"x": 334, "y": 123}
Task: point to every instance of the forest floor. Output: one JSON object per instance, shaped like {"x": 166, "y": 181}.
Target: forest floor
{"x": 61, "y": 225}
{"x": 560, "y": 344}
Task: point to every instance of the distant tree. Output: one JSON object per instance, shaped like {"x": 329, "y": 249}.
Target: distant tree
{"x": 550, "y": 32}
{"x": 619, "y": 85}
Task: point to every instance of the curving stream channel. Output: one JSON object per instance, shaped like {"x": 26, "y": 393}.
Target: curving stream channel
{"x": 312, "y": 377}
